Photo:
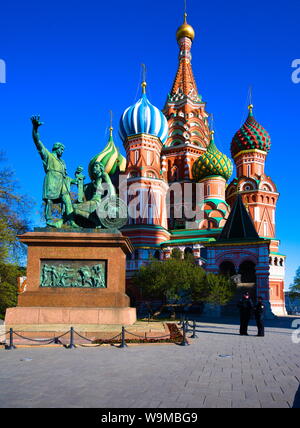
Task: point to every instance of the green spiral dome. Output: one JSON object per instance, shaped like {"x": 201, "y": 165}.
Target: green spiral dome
{"x": 110, "y": 157}
{"x": 212, "y": 162}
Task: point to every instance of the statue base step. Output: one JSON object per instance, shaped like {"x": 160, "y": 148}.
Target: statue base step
{"x": 64, "y": 315}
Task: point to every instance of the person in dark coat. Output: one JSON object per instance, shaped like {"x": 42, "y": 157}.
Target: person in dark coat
{"x": 259, "y": 310}
{"x": 246, "y": 307}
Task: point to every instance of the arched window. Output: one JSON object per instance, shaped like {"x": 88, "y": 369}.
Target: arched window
{"x": 150, "y": 214}
{"x": 227, "y": 268}
{"x": 148, "y": 157}
{"x": 247, "y": 272}
{"x": 136, "y": 156}
{"x": 156, "y": 254}
{"x": 174, "y": 173}
{"x": 188, "y": 252}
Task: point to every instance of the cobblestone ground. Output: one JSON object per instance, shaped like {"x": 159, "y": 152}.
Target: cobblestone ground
{"x": 219, "y": 369}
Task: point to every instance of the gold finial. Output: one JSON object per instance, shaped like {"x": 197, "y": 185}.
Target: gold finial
{"x": 250, "y": 106}
{"x": 211, "y": 126}
{"x": 185, "y": 30}
{"x": 111, "y": 122}
{"x": 144, "y": 84}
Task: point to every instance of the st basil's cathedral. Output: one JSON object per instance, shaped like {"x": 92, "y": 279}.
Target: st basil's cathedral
{"x": 175, "y": 148}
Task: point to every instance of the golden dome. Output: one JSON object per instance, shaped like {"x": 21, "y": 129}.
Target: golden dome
{"x": 185, "y": 30}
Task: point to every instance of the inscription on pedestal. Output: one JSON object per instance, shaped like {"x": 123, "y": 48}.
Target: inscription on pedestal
{"x": 73, "y": 273}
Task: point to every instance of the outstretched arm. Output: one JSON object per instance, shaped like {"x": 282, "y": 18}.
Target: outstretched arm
{"x": 36, "y": 123}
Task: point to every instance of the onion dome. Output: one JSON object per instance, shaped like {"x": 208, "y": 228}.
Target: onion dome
{"x": 212, "y": 162}
{"x": 110, "y": 157}
{"x": 143, "y": 118}
{"x": 185, "y": 30}
{"x": 251, "y": 136}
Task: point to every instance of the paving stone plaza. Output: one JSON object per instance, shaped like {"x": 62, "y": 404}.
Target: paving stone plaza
{"x": 218, "y": 369}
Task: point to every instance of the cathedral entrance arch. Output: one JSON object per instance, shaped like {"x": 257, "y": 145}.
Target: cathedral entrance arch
{"x": 248, "y": 277}
{"x": 247, "y": 271}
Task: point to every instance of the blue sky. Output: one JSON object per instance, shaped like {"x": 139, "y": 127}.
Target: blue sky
{"x": 73, "y": 61}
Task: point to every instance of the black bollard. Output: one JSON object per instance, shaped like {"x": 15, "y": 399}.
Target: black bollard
{"x": 72, "y": 344}
{"x": 184, "y": 342}
{"x": 11, "y": 340}
{"x": 194, "y": 335}
{"x": 123, "y": 343}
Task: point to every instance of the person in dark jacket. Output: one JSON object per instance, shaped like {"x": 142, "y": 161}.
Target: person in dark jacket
{"x": 246, "y": 307}
{"x": 259, "y": 310}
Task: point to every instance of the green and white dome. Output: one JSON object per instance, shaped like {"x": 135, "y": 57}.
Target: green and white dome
{"x": 212, "y": 163}
{"x": 110, "y": 157}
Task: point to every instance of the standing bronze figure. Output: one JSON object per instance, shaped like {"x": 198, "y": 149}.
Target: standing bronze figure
{"x": 56, "y": 188}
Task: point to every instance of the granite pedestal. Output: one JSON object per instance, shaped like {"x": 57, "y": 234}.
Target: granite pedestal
{"x": 75, "y": 304}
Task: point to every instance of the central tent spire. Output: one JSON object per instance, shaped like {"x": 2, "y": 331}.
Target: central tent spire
{"x": 184, "y": 81}
{"x": 184, "y": 107}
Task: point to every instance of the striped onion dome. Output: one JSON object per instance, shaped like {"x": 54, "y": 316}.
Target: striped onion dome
{"x": 143, "y": 118}
{"x": 110, "y": 157}
{"x": 251, "y": 136}
{"x": 212, "y": 162}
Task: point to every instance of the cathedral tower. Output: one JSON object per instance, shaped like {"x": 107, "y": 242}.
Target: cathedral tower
{"x": 249, "y": 148}
{"x": 188, "y": 126}
{"x": 143, "y": 129}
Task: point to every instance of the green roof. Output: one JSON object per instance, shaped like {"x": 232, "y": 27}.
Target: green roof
{"x": 277, "y": 254}
{"x": 187, "y": 240}
{"x": 195, "y": 232}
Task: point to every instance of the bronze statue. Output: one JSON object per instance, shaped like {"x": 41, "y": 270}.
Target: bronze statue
{"x": 56, "y": 188}
{"x": 97, "y": 203}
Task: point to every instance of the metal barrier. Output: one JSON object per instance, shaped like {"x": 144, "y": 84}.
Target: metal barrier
{"x": 119, "y": 338}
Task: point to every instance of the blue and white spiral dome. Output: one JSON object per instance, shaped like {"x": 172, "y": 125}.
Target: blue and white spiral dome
{"x": 143, "y": 118}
